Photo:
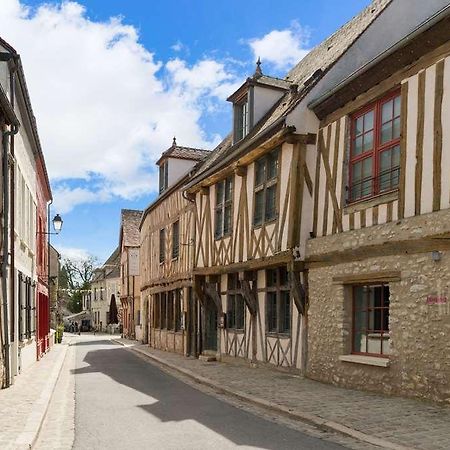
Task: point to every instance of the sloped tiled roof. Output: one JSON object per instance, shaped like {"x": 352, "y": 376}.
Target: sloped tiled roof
{"x": 181, "y": 152}
{"x": 310, "y": 69}
{"x": 130, "y": 227}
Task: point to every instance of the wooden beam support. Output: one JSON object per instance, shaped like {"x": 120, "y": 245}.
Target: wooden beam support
{"x": 212, "y": 292}
{"x": 249, "y": 296}
{"x": 298, "y": 292}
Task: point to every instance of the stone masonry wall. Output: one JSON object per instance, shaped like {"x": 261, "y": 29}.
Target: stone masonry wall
{"x": 419, "y": 332}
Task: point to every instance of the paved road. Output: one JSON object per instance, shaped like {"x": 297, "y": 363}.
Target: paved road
{"x": 124, "y": 402}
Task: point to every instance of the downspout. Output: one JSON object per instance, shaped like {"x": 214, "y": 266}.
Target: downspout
{"x": 6, "y": 135}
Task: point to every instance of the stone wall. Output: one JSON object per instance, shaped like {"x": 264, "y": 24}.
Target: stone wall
{"x": 419, "y": 328}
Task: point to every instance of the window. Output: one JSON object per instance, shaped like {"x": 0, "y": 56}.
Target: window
{"x": 266, "y": 178}
{"x": 26, "y": 302}
{"x": 156, "y": 311}
{"x": 176, "y": 239}
{"x": 241, "y": 118}
{"x": 223, "y": 210}
{"x": 278, "y": 301}
{"x": 162, "y": 245}
{"x": 163, "y": 176}
{"x": 235, "y": 304}
{"x": 163, "y": 316}
{"x": 371, "y": 320}
{"x": 178, "y": 309}
{"x": 170, "y": 317}
{"x": 375, "y": 149}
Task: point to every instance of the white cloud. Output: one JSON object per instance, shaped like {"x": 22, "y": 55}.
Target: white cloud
{"x": 73, "y": 253}
{"x": 104, "y": 106}
{"x": 282, "y": 48}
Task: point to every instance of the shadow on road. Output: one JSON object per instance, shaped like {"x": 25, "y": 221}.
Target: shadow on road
{"x": 177, "y": 401}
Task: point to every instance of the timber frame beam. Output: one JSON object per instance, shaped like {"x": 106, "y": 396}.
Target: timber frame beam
{"x": 298, "y": 292}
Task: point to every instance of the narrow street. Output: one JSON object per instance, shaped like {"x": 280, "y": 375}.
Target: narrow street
{"x": 123, "y": 401}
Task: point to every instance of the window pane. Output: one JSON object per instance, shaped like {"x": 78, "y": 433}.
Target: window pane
{"x": 240, "y": 312}
{"x": 356, "y": 181}
{"x": 396, "y": 128}
{"x": 359, "y": 342}
{"x": 285, "y": 311}
{"x": 272, "y": 312}
{"x": 386, "y": 111}
{"x": 227, "y": 220}
{"x": 219, "y": 193}
{"x": 219, "y": 222}
{"x": 359, "y": 126}
{"x": 271, "y": 206}
{"x": 366, "y": 188}
{"x": 283, "y": 276}
{"x": 231, "y": 311}
{"x": 386, "y": 132}
{"x": 259, "y": 172}
{"x": 368, "y": 141}
{"x": 271, "y": 277}
{"x": 359, "y": 298}
{"x": 368, "y": 121}
{"x": 358, "y": 145}
{"x": 272, "y": 165}
{"x": 259, "y": 197}
{"x": 397, "y": 106}
{"x": 228, "y": 188}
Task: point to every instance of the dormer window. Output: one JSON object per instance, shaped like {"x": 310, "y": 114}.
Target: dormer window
{"x": 163, "y": 176}
{"x": 242, "y": 119}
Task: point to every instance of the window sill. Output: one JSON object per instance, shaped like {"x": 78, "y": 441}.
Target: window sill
{"x": 367, "y": 360}
{"x": 376, "y": 200}
{"x": 274, "y": 334}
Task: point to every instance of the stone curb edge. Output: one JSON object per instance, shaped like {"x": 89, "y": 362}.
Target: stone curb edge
{"x": 312, "y": 419}
{"x": 28, "y": 437}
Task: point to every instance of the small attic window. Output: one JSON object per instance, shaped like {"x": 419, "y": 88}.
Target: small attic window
{"x": 241, "y": 119}
{"x": 163, "y": 176}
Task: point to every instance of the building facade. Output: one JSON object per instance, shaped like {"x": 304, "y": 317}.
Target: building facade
{"x": 130, "y": 298}
{"x": 105, "y": 286}
{"x": 167, "y": 256}
{"x": 26, "y": 192}
{"x": 379, "y": 267}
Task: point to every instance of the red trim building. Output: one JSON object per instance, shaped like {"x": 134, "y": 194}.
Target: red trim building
{"x": 44, "y": 196}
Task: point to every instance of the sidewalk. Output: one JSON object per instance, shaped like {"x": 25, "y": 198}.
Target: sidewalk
{"x": 388, "y": 422}
{"x": 23, "y": 406}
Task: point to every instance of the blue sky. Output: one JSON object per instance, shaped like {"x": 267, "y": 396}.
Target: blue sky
{"x": 109, "y": 94}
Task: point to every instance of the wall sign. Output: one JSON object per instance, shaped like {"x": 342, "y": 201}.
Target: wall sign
{"x": 437, "y": 300}
{"x": 133, "y": 261}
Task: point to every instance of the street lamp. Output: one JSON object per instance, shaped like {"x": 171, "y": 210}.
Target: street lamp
{"x": 57, "y": 223}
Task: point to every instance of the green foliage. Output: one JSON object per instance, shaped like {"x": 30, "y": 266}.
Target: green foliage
{"x": 75, "y": 302}
{"x": 59, "y": 333}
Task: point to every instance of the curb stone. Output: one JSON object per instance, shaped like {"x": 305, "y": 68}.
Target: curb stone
{"x": 27, "y": 438}
{"x": 311, "y": 419}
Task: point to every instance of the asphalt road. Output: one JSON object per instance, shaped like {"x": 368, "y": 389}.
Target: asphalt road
{"x": 125, "y": 402}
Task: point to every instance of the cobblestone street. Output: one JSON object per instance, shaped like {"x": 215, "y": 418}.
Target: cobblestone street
{"x": 321, "y": 416}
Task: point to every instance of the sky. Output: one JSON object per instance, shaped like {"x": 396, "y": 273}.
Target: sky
{"x": 112, "y": 82}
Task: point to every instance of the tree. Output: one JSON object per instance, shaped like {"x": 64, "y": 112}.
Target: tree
{"x": 76, "y": 277}
{"x": 113, "y": 313}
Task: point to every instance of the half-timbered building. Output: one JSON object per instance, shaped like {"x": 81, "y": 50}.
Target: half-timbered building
{"x": 379, "y": 263}
{"x": 254, "y": 200}
{"x": 130, "y": 298}
{"x": 167, "y": 255}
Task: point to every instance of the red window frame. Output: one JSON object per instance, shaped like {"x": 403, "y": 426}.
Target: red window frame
{"x": 383, "y": 311}
{"x": 377, "y": 147}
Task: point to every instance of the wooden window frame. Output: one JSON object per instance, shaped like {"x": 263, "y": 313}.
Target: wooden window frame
{"x": 162, "y": 245}
{"x": 221, "y": 206}
{"x": 163, "y": 176}
{"x": 369, "y": 331}
{"x": 241, "y": 118}
{"x": 377, "y": 148}
{"x": 176, "y": 239}
{"x": 279, "y": 288}
{"x": 233, "y": 295}
{"x": 264, "y": 185}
